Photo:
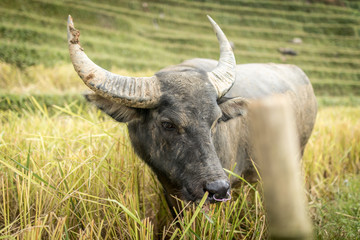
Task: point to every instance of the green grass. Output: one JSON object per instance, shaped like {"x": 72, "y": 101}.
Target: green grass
{"x": 339, "y": 218}
{"x": 123, "y": 34}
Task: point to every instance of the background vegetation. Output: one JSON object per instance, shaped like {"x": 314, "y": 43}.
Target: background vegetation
{"x": 68, "y": 172}
{"x": 148, "y": 35}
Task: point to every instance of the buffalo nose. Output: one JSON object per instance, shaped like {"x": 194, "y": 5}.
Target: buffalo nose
{"x": 218, "y": 190}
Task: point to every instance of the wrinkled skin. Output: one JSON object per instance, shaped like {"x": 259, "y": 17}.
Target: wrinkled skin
{"x": 191, "y": 136}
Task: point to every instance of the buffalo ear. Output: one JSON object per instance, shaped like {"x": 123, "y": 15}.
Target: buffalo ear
{"x": 233, "y": 107}
{"x": 117, "y": 111}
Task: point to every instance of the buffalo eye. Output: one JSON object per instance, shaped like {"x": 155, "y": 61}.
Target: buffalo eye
{"x": 168, "y": 126}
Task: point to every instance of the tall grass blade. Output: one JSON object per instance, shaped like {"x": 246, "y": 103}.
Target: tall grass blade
{"x": 198, "y": 209}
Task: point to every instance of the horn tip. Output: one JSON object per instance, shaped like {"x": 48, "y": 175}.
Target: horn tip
{"x": 72, "y": 33}
{"x": 70, "y": 21}
{"x": 211, "y": 20}
{"x": 213, "y": 23}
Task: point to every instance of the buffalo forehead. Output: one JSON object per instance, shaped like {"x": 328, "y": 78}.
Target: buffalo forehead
{"x": 188, "y": 95}
{"x": 185, "y": 83}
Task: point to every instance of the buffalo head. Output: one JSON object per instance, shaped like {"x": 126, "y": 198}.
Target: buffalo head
{"x": 172, "y": 117}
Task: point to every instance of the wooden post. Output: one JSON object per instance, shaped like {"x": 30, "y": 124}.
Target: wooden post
{"x": 277, "y": 155}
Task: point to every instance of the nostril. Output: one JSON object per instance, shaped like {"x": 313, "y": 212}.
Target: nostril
{"x": 218, "y": 189}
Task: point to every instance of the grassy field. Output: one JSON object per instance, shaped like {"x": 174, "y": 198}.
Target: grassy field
{"x": 68, "y": 172}
{"x": 130, "y": 35}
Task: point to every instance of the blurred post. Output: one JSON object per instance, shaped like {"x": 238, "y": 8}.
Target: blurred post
{"x": 277, "y": 155}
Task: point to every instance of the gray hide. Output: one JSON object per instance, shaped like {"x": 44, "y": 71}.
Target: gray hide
{"x": 254, "y": 82}
{"x": 211, "y": 134}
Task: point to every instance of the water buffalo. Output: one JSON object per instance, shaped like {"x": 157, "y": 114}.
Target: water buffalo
{"x": 189, "y": 121}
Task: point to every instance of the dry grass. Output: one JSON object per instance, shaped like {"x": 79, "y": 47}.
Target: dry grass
{"x": 72, "y": 174}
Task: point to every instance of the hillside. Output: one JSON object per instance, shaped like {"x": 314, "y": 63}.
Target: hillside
{"x": 146, "y": 36}
{"x": 67, "y": 171}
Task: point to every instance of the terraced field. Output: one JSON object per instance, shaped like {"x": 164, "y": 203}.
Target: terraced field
{"x": 68, "y": 172}
{"x": 146, "y": 36}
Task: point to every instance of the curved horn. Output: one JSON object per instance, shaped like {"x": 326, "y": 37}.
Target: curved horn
{"x": 137, "y": 92}
{"x": 223, "y": 76}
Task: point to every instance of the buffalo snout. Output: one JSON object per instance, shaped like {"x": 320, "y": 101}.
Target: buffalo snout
{"x": 219, "y": 190}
